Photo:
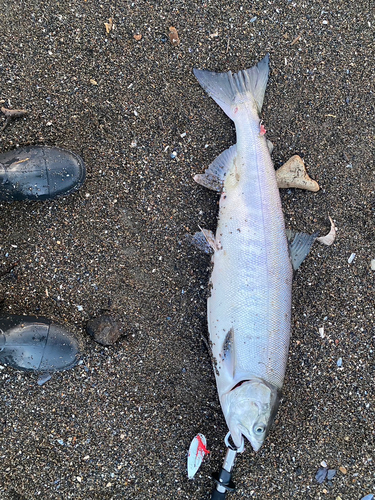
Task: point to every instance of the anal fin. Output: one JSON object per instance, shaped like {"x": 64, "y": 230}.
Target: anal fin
{"x": 299, "y": 246}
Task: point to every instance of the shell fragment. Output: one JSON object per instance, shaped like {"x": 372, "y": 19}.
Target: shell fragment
{"x": 293, "y": 175}
{"x": 329, "y": 238}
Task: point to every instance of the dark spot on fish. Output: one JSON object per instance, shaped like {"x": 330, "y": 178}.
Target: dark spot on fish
{"x": 227, "y": 344}
{"x": 214, "y": 363}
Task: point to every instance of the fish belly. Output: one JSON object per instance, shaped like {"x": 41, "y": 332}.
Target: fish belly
{"x": 249, "y": 309}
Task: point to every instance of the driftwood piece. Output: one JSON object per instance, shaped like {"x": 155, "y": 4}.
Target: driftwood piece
{"x": 11, "y": 114}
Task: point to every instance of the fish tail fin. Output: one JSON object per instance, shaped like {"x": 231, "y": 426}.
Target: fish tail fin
{"x": 229, "y": 90}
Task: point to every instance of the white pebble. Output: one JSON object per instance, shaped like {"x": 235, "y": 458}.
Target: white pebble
{"x": 351, "y": 258}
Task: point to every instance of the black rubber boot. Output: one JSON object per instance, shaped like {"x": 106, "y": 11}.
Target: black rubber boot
{"x": 39, "y": 173}
{"x": 36, "y": 344}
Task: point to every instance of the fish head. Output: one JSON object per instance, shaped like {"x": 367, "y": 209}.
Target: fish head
{"x": 249, "y": 409}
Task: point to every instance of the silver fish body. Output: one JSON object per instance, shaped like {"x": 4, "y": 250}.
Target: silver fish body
{"x": 249, "y": 309}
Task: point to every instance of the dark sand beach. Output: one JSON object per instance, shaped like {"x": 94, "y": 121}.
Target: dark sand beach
{"x": 119, "y": 424}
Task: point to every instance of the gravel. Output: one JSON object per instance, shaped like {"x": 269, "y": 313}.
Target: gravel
{"x": 119, "y": 424}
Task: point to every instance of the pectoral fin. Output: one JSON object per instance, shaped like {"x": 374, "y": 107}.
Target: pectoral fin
{"x": 204, "y": 240}
{"x": 270, "y": 146}
{"x": 299, "y": 246}
{"x": 214, "y": 176}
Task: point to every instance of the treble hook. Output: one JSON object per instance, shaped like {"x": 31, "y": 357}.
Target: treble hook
{"x": 223, "y": 479}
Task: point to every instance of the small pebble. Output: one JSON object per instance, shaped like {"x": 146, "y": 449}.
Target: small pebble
{"x": 331, "y": 474}
{"x": 104, "y": 330}
{"x": 351, "y": 258}
{"x": 321, "y": 474}
{"x": 343, "y": 469}
{"x": 373, "y": 264}
{"x": 173, "y": 36}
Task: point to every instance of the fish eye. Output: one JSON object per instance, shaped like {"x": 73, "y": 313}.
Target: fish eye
{"x": 259, "y": 429}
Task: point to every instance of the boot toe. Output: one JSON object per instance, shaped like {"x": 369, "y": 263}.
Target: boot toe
{"x": 36, "y": 344}
{"x": 39, "y": 173}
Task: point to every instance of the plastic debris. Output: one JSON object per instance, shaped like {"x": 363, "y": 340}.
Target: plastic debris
{"x": 372, "y": 264}
{"x": 368, "y": 497}
{"x": 351, "y": 258}
{"x": 197, "y": 452}
{"x": 339, "y": 362}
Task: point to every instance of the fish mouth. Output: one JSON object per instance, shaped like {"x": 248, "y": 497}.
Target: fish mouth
{"x": 256, "y": 445}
